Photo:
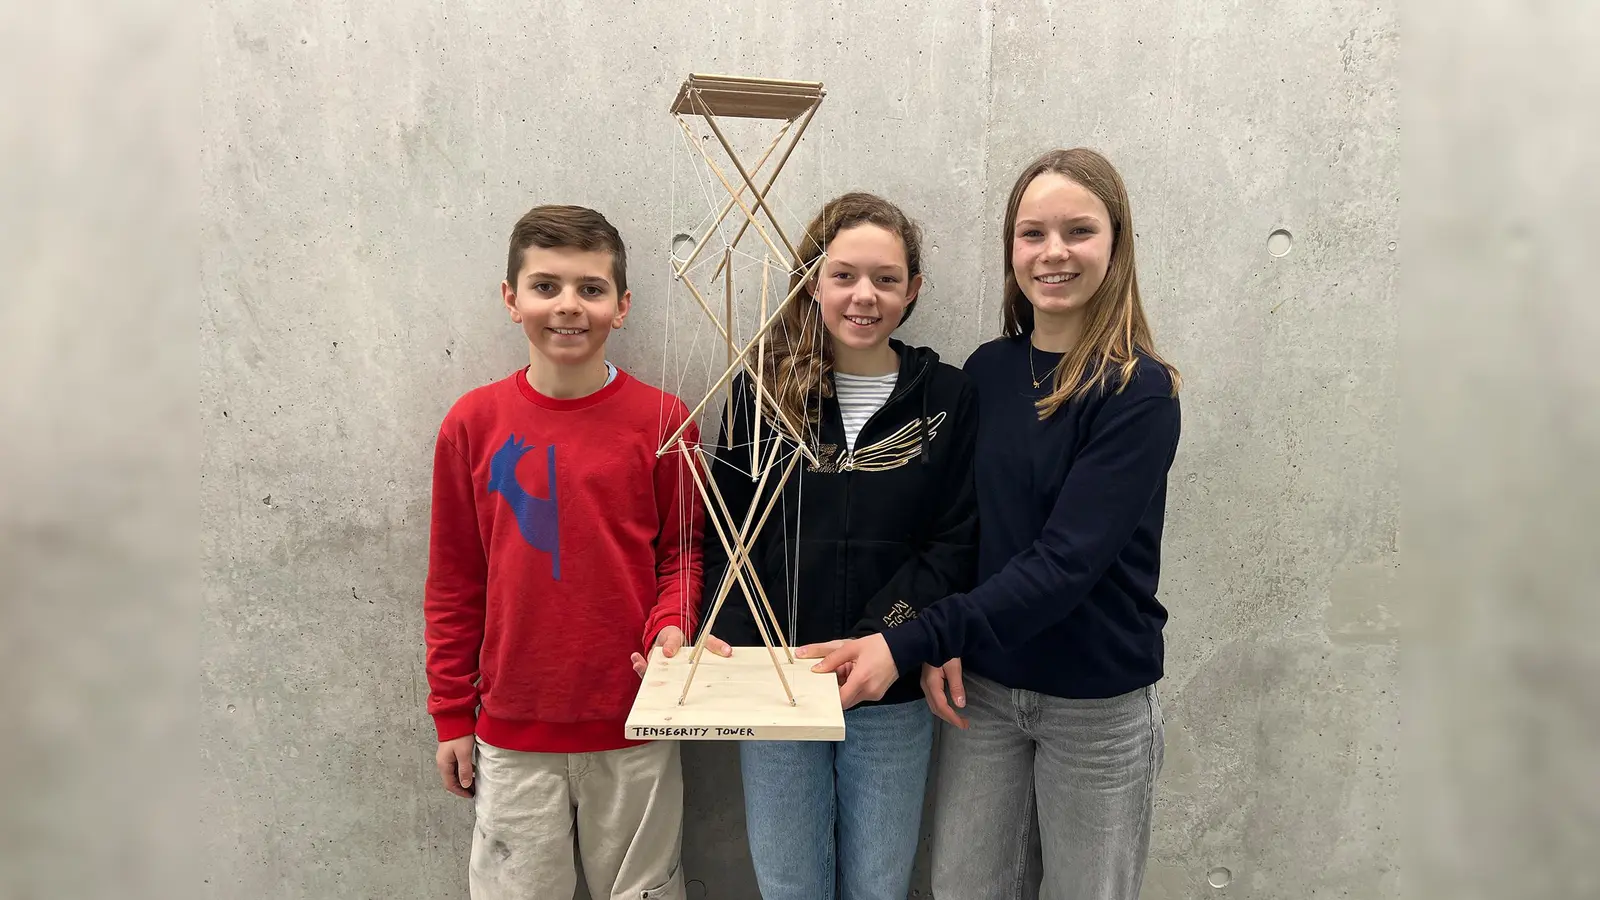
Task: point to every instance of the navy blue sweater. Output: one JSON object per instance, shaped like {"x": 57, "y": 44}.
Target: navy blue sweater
{"x": 1070, "y": 520}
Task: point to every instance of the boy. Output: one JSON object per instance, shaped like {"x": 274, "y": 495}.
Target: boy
{"x": 561, "y": 547}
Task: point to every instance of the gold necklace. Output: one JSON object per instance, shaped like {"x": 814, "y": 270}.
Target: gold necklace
{"x": 1034, "y": 375}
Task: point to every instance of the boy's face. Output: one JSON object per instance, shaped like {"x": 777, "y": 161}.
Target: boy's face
{"x": 566, "y": 302}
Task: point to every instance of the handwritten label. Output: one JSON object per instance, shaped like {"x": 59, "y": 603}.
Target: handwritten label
{"x": 645, "y": 732}
{"x": 663, "y": 731}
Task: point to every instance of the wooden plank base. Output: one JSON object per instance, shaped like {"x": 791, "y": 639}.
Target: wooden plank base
{"x": 737, "y": 698}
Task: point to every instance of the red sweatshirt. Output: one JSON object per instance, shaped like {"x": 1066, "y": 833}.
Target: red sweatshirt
{"x": 560, "y": 545}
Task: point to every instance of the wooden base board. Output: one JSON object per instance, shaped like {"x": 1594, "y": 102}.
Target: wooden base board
{"x": 737, "y": 698}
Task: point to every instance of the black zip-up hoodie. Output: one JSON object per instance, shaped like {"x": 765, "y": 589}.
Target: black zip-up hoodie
{"x": 882, "y": 532}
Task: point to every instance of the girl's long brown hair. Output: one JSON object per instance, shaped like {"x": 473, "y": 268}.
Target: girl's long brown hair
{"x": 1115, "y": 330}
{"x": 799, "y": 362}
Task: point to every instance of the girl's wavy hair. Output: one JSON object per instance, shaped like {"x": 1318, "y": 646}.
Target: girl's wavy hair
{"x": 1115, "y": 331}
{"x": 798, "y": 370}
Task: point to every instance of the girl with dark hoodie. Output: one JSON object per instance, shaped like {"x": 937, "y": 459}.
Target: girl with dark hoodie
{"x": 882, "y": 523}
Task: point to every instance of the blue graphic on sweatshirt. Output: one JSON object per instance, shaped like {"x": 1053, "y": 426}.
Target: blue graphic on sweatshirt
{"x": 537, "y": 518}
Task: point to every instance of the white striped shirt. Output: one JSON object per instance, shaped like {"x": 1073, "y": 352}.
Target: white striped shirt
{"x": 859, "y": 397}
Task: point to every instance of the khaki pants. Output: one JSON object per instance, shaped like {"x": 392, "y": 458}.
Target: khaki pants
{"x": 627, "y": 808}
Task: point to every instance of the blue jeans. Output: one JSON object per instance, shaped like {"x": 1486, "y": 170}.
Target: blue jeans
{"x": 1045, "y": 797}
{"x": 829, "y": 820}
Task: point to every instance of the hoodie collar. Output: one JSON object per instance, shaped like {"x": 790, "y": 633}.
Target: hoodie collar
{"x": 916, "y": 364}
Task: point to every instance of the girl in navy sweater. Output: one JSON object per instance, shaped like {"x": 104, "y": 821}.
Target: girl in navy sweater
{"x": 1046, "y": 671}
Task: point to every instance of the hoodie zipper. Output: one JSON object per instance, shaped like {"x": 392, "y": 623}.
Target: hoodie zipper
{"x": 848, "y": 465}
{"x": 847, "y": 469}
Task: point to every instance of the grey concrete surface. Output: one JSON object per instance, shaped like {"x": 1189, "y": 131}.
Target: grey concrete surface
{"x": 362, "y": 166}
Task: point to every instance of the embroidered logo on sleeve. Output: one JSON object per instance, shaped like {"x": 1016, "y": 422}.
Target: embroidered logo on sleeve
{"x": 899, "y": 614}
{"x": 537, "y": 517}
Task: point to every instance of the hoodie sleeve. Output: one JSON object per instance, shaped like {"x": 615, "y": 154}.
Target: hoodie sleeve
{"x": 945, "y": 562}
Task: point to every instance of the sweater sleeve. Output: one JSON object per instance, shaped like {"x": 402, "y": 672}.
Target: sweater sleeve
{"x": 454, "y": 594}
{"x": 1105, "y": 495}
{"x": 945, "y": 560}
{"x": 678, "y": 545}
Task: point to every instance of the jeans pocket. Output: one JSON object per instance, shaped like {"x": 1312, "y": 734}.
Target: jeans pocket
{"x": 671, "y": 889}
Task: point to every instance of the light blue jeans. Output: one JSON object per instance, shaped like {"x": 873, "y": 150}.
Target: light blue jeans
{"x": 839, "y": 820}
{"x": 1045, "y": 797}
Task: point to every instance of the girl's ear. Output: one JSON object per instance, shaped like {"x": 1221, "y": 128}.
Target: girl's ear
{"x": 913, "y": 288}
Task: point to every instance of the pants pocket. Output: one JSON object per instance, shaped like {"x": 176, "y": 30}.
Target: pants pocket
{"x": 671, "y": 889}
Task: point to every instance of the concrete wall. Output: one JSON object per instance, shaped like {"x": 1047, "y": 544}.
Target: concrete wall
{"x": 362, "y": 166}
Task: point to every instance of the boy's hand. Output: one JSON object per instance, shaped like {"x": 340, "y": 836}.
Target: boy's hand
{"x": 671, "y": 640}
{"x": 455, "y": 765}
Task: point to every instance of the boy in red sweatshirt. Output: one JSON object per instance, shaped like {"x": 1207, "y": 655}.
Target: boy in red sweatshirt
{"x": 561, "y": 547}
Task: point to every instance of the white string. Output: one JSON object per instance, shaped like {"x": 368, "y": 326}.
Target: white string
{"x": 682, "y": 509}
{"x": 680, "y": 363}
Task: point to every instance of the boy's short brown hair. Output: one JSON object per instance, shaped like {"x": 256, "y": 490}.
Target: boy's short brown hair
{"x": 567, "y": 226}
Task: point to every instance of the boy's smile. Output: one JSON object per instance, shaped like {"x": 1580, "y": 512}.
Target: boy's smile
{"x": 566, "y": 335}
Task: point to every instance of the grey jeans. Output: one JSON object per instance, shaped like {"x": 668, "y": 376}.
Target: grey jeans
{"x": 1045, "y": 798}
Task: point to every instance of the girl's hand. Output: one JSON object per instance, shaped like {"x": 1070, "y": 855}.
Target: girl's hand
{"x": 935, "y": 681}
{"x": 865, "y": 666}
{"x": 819, "y": 651}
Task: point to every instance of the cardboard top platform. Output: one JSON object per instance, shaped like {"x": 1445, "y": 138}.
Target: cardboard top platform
{"x": 746, "y": 98}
